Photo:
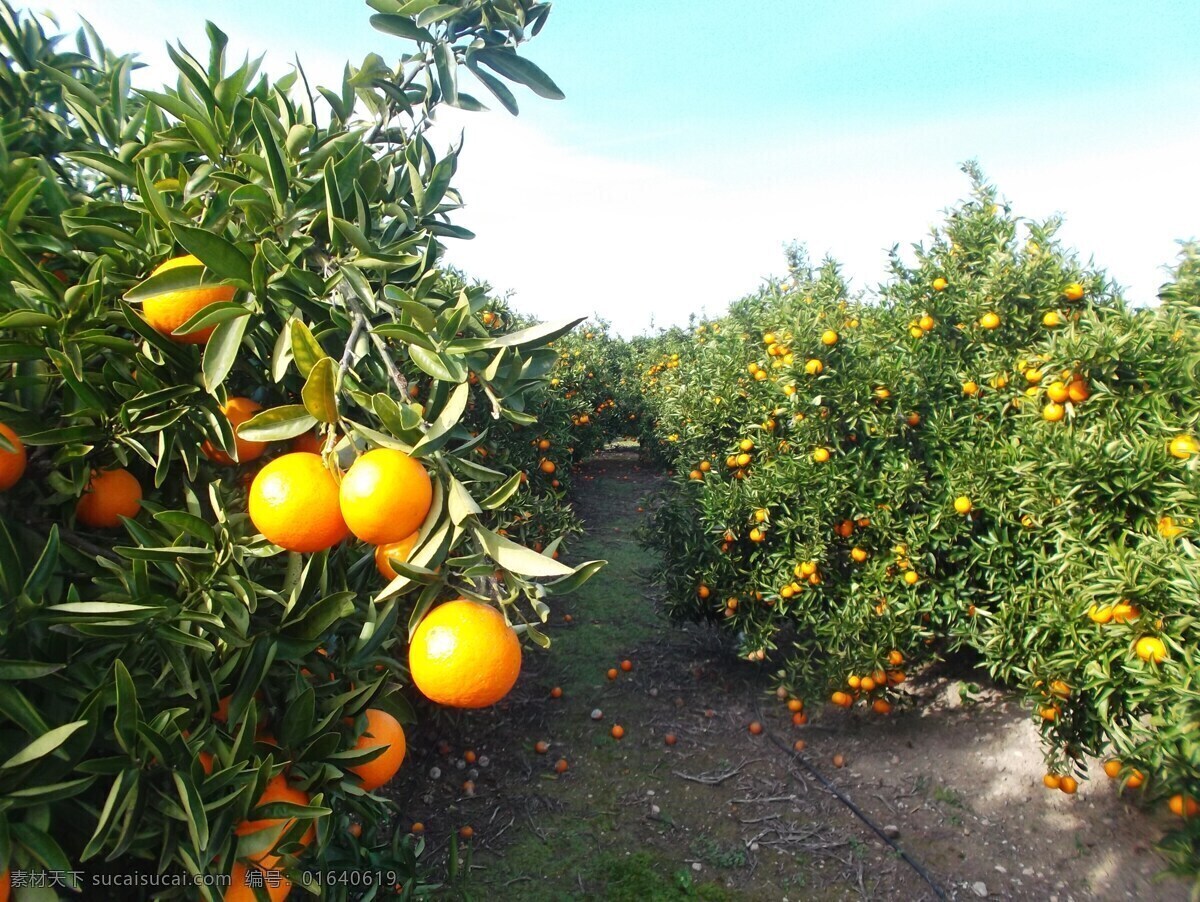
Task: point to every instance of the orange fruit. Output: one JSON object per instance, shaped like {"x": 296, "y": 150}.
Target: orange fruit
{"x": 1053, "y": 412}
{"x": 1100, "y": 613}
{"x": 312, "y": 442}
{"x": 842, "y": 699}
{"x": 385, "y": 496}
{"x": 541, "y": 747}
{"x": 399, "y": 551}
{"x": 12, "y": 463}
{"x": 882, "y": 706}
{"x": 1135, "y": 779}
{"x": 704, "y": 591}
{"x": 1073, "y": 292}
{"x": 277, "y": 790}
{"x": 970, "y": 388}
{"x": 990, "y": 320}
{"x": 867, "y": 684}
{"x": 1183, "y": 806}
{"x": 237, "y": 411}
{"x": 839, "y": 760}
{"x": 911, "y": 577}
{"x": 618, "y": 731}
{"x": 612, "y": 673}
{"x": 1183, "y": 446}
{"x": 556, "y": 692}
{"x": 858, "y": 554}
{"x": 464, "y": 655}
{"x": 109, "y": 496}
{"x": 1078, "y": 390}
{"x": 963, "y": 504}
{"x": 466, "y": 832}
{"x": 940, "y": 284}
{"x": 547, "y": 467}
{"x": 829, "y": 338}
{"x": 560, "y": 766}
{"x": 241, "y": 884}
{"x": 755, "y": 727}
{"x": 417, "y": 828}
{"x": 1058, "y": 392}
{"x": 544, "y": 445}
{"x": 355, "y": 830}
{"x": 798, "y": 745}
{"x": 293, "y": 502}
{"x": 1052, "y": 319}
{"x": 167, "y": 312}
{"x": 627, "y": 666}
{"x": 820, "y": 455}
{"x": 1059, "y": 688}
{"x": 1112, "y": 767}
{"x": 382, "y": 730}
{"x": 670, "y": 739}
{"x": 895, "y": 658}
{"x": 1052, "y": 781}
{"x": 1123, "y": 612}
{"x": 1068, "y": 785}
{"x": 795, "y": 704}
{"x": 799, "y": 718}
{"x": 1150, "y": 648}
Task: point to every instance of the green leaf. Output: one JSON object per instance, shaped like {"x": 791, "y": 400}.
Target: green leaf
{"x": 582, "y": 574}
{"x": 500, "y": 496}
{"x": 47, "y": 563}
{"x": 518, "y": 69}
{"x": 277, "y": 424}
{"x": 178, "y": 278}
{"x": 460, "y": 503}
{"x": 116, "y": 169}
{"x": 317, "y": 618}
{"x": 517, "y": 558}
{"x": 305, "y": 349}
{"x": 27, "y": 670}
{"x": 276, "y": 164}
{"x": 43, "y": 745}
{"x": 219, "y": 255}
{"x": 447, "y": 70}
{"x": 222, "y": 349}
{"x": 125, "y": 722}
{"x": 27, "y": 319}
{"x": 431, "y": 362}
{"x": 535, "y": 335}
{"x": 499, "y": 90}
{"x": 401, "y": 27}
{"x": 320, "y": 391}
{"x": 193, "y": 807}
{"x": 439, "y": 430}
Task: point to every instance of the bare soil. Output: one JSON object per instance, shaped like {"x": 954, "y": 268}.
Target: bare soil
{"x": 954, "y": 779}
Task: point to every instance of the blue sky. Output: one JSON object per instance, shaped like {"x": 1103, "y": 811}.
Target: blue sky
{"x": 699, "y": 136}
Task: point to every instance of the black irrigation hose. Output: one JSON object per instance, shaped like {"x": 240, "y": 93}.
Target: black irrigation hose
{"x": 912, "y": 863}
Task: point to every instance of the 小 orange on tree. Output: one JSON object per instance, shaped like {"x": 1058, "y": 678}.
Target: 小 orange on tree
{"x": 293, "y": 502}
{"x": 385, "y": 496}
{"x": 464, "y": 654}
{"x": 167, "y": 312}
{"x": 12, "y": 463}
{"x": 393, "y": 551}
{"x": 382, "y": 730}
{"x": 237, "y": 411}
{"x": 109, "y": 496}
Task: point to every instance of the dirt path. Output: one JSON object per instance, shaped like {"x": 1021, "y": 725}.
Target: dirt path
{"x": 724, "y": 814}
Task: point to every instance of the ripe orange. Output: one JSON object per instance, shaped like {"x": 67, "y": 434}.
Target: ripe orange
{"x": 858, "y": 554}
{"x": 703, "y": 591}
{"x": 970, "y": 388}
{"x": 1183, "y": 806}
{"x": 940, "y": 284}
{"x": 820, "y": 455}
{"x": 417, "y": 828}
{"x": 1052, "y": 319}
{"x": 382, "y": 730}
{"x": 1183, "y": 446}
{"x": 627, "y": 666}
{"x": 795, "y": 704}
{"x": 798, "y": 745}
{"x": 560, "y": 766}
{"x": 1073, "y": 292}
{"x": 237, "y": 411}
{"x": 799, "y": 718}
{"x": 1052, "y": 781}
{"x": 895, "y": 658}
{"x": 466, "y": 832}
{"x": 1078, "y": 390}
{"x": 963, "y": 504}
{"x": 1068, "y": 785}
{"x": 385, "y": 496}
{"x": 618, "y": 731}
{"x": 911, "y": 577}
{"x": 469, "y": 756}
{"x": 829, "y": 338}
{"x": 167, "y": 312}
{"x": 882, "y": 706}
{"x": 277, "y": 790}
{"x": 1135, "y": 779}
{"x": 393, "y": 551}
{"x": 990, "y": 320}
{"x": 1053, "y": 412}
{"x": 547, "y": 467}
{"x": 839, "y": 760}
{"x": 541, "y": 747}
{"x": 241, "y": 885}
{"x": 612, "y": 673}
{"x": 670, "y": 739}
{"x": 109, "y": 496}
{"x": 544, "y": 445}
{"x": 293, "y": 502}
{"x": 312, "y": 442}
{"x": 464, "y": 655}
{"x": 12, "y": 463}
{"x": 755, "y": 727}
{"x": 1151, "y": 649}
{"x": 1112, "y": 767}
{"x": 355, "y": 830}
{"x": 556, "y": 692}
{"x": 1123, "y": 612}
{"x": 842, "y": 699}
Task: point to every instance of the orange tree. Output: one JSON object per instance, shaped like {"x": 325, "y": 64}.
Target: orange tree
{"x": 996, "y": 454}
{"x": 201, "y": 659}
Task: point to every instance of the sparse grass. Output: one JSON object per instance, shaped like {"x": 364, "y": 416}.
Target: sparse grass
{"x": 718, "y": 855}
